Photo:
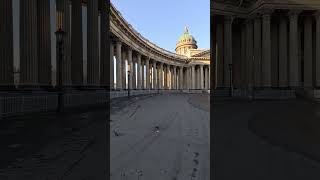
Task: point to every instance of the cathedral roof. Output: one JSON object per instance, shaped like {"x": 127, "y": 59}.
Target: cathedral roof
{"x": 187, "y": 37}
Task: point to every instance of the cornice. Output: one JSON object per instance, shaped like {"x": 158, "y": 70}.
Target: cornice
{"x": 127, "y": 30}
{"x": 223, "y": 9}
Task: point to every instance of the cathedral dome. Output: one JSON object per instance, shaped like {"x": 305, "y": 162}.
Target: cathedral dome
{"x": 187, "y": 37}
{"x": 186, "y": 42}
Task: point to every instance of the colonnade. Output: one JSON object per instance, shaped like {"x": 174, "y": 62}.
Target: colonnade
{"x": 147, "y": 73}
{"x": 270, "y": 49}
{"x": 86, "y": 61}
{"x": 37, "y": 57}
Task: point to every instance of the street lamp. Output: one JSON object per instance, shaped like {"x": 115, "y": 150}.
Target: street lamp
{"x": 230, "y": 69}
{"x": 60, "y": 37}
{"x": 129, "y": 68}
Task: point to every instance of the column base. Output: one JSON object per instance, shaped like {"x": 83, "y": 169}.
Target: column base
{"x": 266, "y": 93}
{"x": 309, "y": 93}
{"x": 29, "y": 88}
{"x": 8, "y": 88}
{"x": 221, "y": 92}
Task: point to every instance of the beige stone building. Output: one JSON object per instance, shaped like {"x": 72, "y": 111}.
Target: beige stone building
{"x": 153, "y": 67}
{"x": 273, "y": 47}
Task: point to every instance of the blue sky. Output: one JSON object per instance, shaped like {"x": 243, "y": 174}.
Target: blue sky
{"x": 162, "y": 22}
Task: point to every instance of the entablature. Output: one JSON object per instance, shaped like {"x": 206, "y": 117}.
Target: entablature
{"x": 224, "y": 8}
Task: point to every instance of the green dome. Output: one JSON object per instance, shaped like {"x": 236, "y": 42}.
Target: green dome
{"x": 186, "y": 37}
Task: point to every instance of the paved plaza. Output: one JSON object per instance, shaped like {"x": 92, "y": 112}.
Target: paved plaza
{"x": 265, "y": 140}
{"x": 160, "y": 136}
{"x": 163, "y": 137}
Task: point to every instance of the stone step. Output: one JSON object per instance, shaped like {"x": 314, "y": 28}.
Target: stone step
{"x": 221, "y": 93}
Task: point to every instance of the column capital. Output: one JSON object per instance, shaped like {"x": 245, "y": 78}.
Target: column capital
{"x": 228, "y": 19}
{"x": 255, "y": 16}
{"x": 266, "y": 12}
{"x": 129, "y": 49}
{"x": 139, "y": 56}
{"x": 317, "y": 15}
{"x": 294, "y": 13}
{"x": 118, "y": 42}
{"x": 249, "y": 20}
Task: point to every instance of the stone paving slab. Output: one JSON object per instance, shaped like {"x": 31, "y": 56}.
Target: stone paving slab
{"x": 51, "y": 146}
{"x": 293, "y": 124}
{"x": 241, "y": 153}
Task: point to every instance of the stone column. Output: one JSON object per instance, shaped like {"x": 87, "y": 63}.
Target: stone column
{"x": 166, "y": 77}
{"x": 119, "y": 65}
{"x": 205, "y": 77}
{"x": 208, "y": 77}
{"x": 227, "y": 49}
{"x": 155, "y": 77}
{"x": 77, "y": 44}
{"x": 243, "y": 59}
{"x": 130, "y": 63}
{"x": 63, "y": 21}
{"x": 186, "y": 78}
{"x": 181, "y": 78}
{"x": 111, "y": 66}
{"x": 249, "y": 53}
{"x": 293, "y": 49}
{"x": 174, "y": 68}
{"x": 317, "y": 17}
{"x": 139, "y": 72}
{"x": 283, "y": 53}
{"x": 104, "y": 43}
{"x": 193, "y": 77}
{"x": 28, "y": 44}
{"x": 160, "y": 75}
{"x": 6, "y": 44}
{"x": 308, "y": 52}
{"x": 134, "y": 74}
{"x": 123, "y": 68}
{"x": 219, "y": 56}
{"x": 177, "y": 77}
{"x": 44, "y": 43}
{"x": 147, "y": 73}
{"x": 143, "y": 86}
{"x": 93, "y": 44}
{"x": 196, "y": 75}
{"x": 170, "y": 76}
{"x": 174, "y": 77}
{"x": 266, "y": 49}
{"x": 201, "y": 77}
{"x": 274, "y": 55}
{"x": 190, "y": 84}
{"x": 257, "y": 52}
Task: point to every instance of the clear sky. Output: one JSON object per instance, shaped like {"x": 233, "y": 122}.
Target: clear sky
{"x": 162, "y": 22}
